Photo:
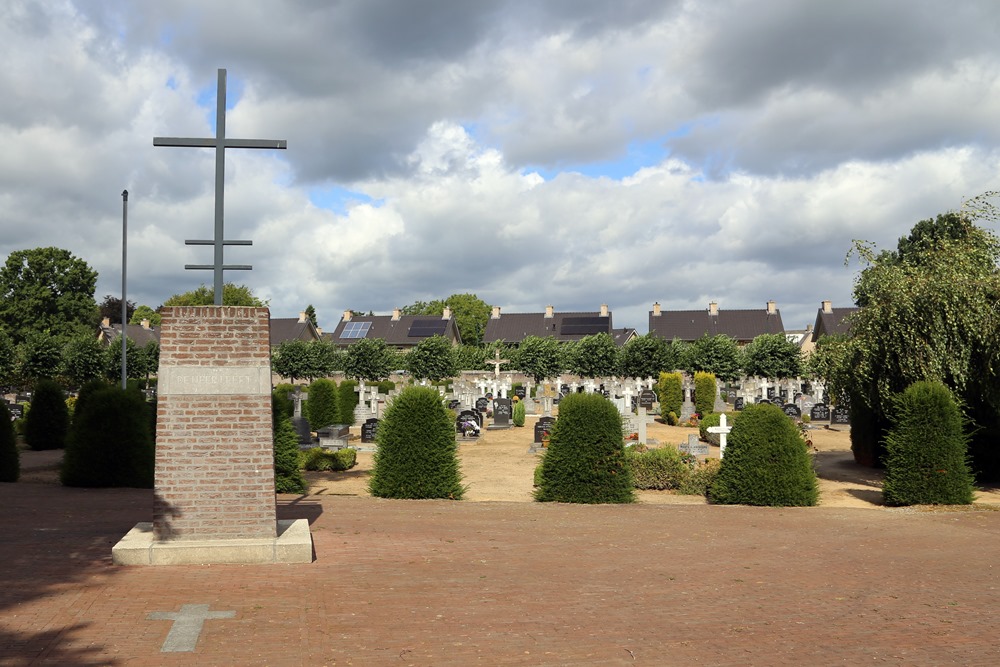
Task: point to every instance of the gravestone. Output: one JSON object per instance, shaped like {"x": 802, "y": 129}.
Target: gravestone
{"x": 369, "y": 429}
{"x": 738, "y": 403}
{"x": 482, "y": 404}
{"x": 647, "y": 398}
{"x": 820, "y": 412}
{"x": 214, "y": 497}
{"x": 333, "y": 436}
{"x": 694, "y": 446}
{"x": 791, "y": 410}
{"x": 300, "y": 423}
{"x": 454, "y": 404}
{"x": 469, "y": 423}
{"x": 763, "y": 401}
{"x": 16, "y": 411}
{"x": 770, "y": 394}
{"x": 521, "y": 392}
{"x": 543, "y": 428}
{"x": 502, "y": 409}
{"x": 840, "y": 415}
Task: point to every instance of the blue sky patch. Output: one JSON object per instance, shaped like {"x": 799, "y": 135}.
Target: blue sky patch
{"x": 338, "y": 199}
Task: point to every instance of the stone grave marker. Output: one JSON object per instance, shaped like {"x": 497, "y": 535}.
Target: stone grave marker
{"x": 482, "y": 404}
{"x": 738, "y": 403}
{"x": 454, "y": 404}
{"x": 502, "y": 409}
{"x": 521, "y": 392}
{"x": 647, "y": 398}
{"x": 791, "y": 410}
{"x": 694, "y": 446}
{"x": 820, "y": 412}
{"x": 763, "y": 400}
{"x": 840, "y": 415}
{"x": 469, "y": 423}
{"x": 542, "y": 427}
{"x": 369, "y": 429}
{"x": 770, "y": 394}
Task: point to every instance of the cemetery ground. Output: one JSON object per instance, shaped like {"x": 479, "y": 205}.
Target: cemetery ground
{"x": 501, "y": 580}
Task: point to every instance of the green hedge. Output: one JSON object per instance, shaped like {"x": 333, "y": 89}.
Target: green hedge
{"x": 585, "y": 460}
{"x": 324, "y": 460}
{"x": 658, "y": 469}
{"x": 416, "y": 454}
{"x": 287, "y": 474}
{"x": 927, "y": 450}
{"x": 347, "y": 400}
{"x": 670, "y": 388}
{"x": 766, "y": 462}
{"x": 323, "y": 403}
{"x": 47, "y": 422}
{"x": 705, "y": 392}
{"x": 10, "y": 458}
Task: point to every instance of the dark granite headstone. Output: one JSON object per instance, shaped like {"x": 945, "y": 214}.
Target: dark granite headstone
{"x": 647, "y": 398}
{"x": 791, "y": 410}
{"x": 738, "y": 403}
{"x": 521, "y": 392}
{"x": 16, "y": 411}
{"x": 302, "y": 428}
{"x": 543, "y": 426}
{"x": 840, "y": 415}
{"x": 763, "y": 400}
{"x": 501, "y": 412}
{"x": 482, "y": 404}
{"x": 468, "y": 422}
{"x": 454, "y": 404}
{"x": 820, "y": 413}
{"x": 369, "y": 429}
{"x": 770, "y": 393}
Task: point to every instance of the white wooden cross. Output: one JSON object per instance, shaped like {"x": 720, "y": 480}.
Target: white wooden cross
{"x": 723, "y": 430}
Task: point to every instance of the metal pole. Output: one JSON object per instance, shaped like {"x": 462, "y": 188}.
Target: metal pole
{"x": 124, "y": 284}
{"x": 220, "y": 183}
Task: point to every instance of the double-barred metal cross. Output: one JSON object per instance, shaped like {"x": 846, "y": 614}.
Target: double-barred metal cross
{"x": 220, "y": 143}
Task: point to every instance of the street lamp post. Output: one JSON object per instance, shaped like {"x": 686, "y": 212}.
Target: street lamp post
{"x": 124, "y": 283}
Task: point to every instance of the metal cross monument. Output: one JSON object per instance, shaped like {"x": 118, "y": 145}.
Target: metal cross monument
{"x": 220, "y": 143}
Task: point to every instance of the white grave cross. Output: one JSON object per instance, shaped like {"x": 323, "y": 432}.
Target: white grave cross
{"x": 723, "y": 430}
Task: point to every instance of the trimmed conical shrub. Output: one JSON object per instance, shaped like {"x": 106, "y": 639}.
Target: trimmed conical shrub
{"x": 47, "y": 422}
{"x": 347, "y": 400}
{"x": 417, "y": 456}
{"x": 766, "y": 463}
{"x": 322, "y": 404}
{"x": 288, "y": 476}
{"x": 110, "y": 444}
{"x": 927, "y": 450}
{"x": 10, "y": 458}
{"x": 585, "y": 460}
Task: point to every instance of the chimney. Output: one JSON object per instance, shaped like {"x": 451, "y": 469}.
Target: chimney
{"x": 549, "y": 312}
{"x": 319, "y": 330}
{"x": 446, "y": 315}
{"x": 827, "y": 307}
{"x": 772, "y": 309}
{"x": 395, "y": 314}
{"x": 302, "y": 316}
{"x": 496, "y": 313}
{"x": 604, "y": 310}
{"x": 809, "y": 328}
{"x": 656, "y": 309}
{"x": 348, "y": 315}
{"x": 145, "y": 324}
{"x": 713, "y": 309}
{"x": 106, "y": 322}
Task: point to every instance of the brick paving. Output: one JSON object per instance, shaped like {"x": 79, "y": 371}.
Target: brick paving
{"x": 451, "y": 583}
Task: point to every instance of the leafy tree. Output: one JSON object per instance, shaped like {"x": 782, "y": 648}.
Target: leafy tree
{"x": 232, "y": 295}
{"x": 136, "y": 364}
{"x": 670, "y": 391}
{"x": 293, "y": 359}
{"x": 717, "y": 354}
{"x": 150, "y": 353}
{"x": 772, "y": 356}
{"x": 8, "y": 358}
{"x": 145, "y": 313}
{"x": 327, "y": 359}
{"x": 368, "y": 359}
{"x": 470, "y": 312}
{"x": 828, "y": 362}
{"x": 927, "y": 450}
{"x": 645, "y": 357}
{"x": 47, "y": 290}
{"x": 84, "y": 359}
{"x": 468, "y": 357}
{"x": 539, "y": 357}
{"x": 111, "y": 308}
{"x": 311, "y": 315}
{"x": 431, "y": 359}
{"x": 928, "y": 313}
{"x": 39, "y": 356}
{"x": 595, "y": 356}
{"x": 417, "y": 456}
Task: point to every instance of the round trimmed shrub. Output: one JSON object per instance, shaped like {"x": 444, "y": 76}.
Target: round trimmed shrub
{"x": 766, "y": 462}
{"x": 47, "y": 423}
{"x": 585, "y": 459}
{"x": 322, "y": 404}
{"x": 324, "y": 460}
{"x": 927, "y": 450}
{"x": 10, "y": 458}
{"x": 287, "y": 474}
{"x": 110, "y": 443}
{"x": 282, "y": 399}
{"x": 416, "y": 454}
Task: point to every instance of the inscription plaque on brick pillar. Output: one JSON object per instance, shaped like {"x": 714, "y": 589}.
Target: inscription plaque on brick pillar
{"x": 214, "y": 453}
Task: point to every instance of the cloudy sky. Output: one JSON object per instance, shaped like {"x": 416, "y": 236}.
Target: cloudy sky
{"x": 568, "y": 152}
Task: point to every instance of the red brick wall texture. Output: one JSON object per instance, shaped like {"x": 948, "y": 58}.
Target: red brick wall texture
{"x": 214, "y": 461}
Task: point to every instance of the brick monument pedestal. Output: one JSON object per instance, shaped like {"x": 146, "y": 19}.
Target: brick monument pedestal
{"x": 214, "y": 496}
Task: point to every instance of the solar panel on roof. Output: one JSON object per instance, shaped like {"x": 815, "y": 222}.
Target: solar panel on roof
{"x": 355, "y": 330}
{"x": 584, "y": 326}
{"x": 427, "y": 328}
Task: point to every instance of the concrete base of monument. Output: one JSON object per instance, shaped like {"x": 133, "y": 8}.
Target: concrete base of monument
{"x": 292, "y": 545}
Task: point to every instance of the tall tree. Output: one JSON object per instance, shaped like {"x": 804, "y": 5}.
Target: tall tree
{"x": 369, "y": 359}
{"x": 539, "y": 357}
{"x": 646, "y": 356}
{"x": 232, "y": 295}
{"x": 772, "y": 356}
{"x": 470, "y": 312}
{"x": 595, "y": 356}
{"x": 84, "y": 359}
{"x": 39, "y": 357}
{"x": 47, "y": 290}
{"x": 8, "y": 358}
{"x": 311, "y": 315}
{"x": 431, "y": 359}
{"x": 717, "y": 354}
{"x": 145, "y": 313}
{"x": 111, "y": 308}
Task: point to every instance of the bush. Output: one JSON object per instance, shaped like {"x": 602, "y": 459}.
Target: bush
{"x": 416, "y": 455}
{"x": 705, "y": 391}
{"x": 385, "y": 386}
{"x": 281, "y": 398}
{"x": 518, "y": 416}
{"x": 700, "y": 478}
{"x": 347, "y": 400}
{"x": 713, "y": 419}
{"x": 766, "y": 462}
{"x": 110, "y": 443}
{"x": 670, "y": 388}
{"x": 538, "y": 476}
{"x": 86, "y": 391}
{"x": 325, "y": 460}
{"x": 287, "y": 475}
{"x": 585, "y": 460}
{"x": 657, "y": 469}
{"x": 323, "y": 404}
{"x": 47, "y": 423}
{"x": 672, "y": 419}
{"x": 10, "y": 458}
{"x": 927, "y": 450}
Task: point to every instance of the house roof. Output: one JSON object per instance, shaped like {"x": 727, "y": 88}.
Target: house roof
{"x": 512, "y": 328}
{"x": 832, "y": 321}
{"x": 690, "y": 325}
{"x": 290, "y": 328}
{"x": 401, "y": 331}
{"x": 622, "y": 336}
{"x": 137, "y": 333}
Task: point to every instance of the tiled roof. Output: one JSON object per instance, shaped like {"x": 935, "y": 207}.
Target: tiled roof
{"x": 833, "y": 322}
{"x": 690, "y": 325}
{"x": 512, "y": 328}
{"x": 396, "y": 332}
{"x": 292, "y": 328}
{"x": 622, "y": 336}
{"x": 135, "y": 332}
